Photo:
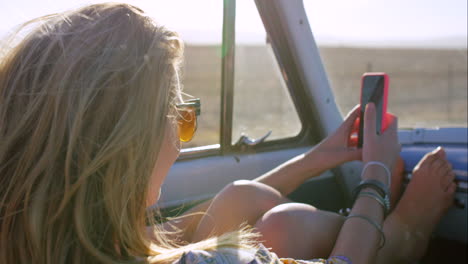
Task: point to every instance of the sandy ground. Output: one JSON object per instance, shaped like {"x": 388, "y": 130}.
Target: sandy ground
{"x": 428, "y": 88}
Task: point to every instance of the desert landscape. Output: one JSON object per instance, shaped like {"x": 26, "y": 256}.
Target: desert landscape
{"x": 428, "y": 87}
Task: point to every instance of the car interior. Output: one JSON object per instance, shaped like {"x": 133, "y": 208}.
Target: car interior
{"x": 273, "y": 82}
{"x": 203, "y": 170}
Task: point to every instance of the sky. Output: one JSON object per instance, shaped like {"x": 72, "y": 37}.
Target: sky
{"x": 335, "y": 22}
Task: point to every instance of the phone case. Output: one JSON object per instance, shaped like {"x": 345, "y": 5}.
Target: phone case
{"x": 354, "y": 136}
{"x": 385, "y": 96}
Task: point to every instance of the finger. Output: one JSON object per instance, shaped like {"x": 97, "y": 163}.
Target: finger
{"x": 438, "y": 165}
{"x": 429, "y": 158}
{"x": 451, "y": 176}
{"x": 387, "y": 119}
{"x": 449, "y": 167}
{"x": 354, "y": 113}
{"x": 440, "y": 151}
{"x": 369, "y": 121}
{"x": 351, "y": 116}
{"x": 392, "y": 132}
{"x": 452, "y": 188}
{"x": 446, "y": 180}
{"x": 446, "y": 168}
{"x": 392, "y": 125}
{"x": 350, "y": 119}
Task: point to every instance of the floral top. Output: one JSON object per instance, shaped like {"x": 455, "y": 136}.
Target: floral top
{"x": 253, "y": 256}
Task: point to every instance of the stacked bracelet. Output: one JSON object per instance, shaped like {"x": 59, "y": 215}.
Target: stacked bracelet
{"x": 380, "y": 188}
{"x": 382, "y": 197}
{"x": 383, "y": 202}
{"x": 372, "y": 222}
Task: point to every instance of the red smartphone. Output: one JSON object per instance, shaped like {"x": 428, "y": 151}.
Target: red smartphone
{"x": 374, "y": 88}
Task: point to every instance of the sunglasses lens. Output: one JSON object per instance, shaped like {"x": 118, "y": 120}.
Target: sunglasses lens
{"x": 187, "y": 124}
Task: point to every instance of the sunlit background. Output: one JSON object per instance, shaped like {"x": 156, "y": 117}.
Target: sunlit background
{"x": 421, "y": 44}
{"x": 441, "y": 23}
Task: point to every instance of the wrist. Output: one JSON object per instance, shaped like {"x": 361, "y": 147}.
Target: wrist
{"x": 376, "y": 173}
{"x": 371, "y": 190}
{"x": 319, "y": 159}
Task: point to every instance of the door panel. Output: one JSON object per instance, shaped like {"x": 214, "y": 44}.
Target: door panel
{"x": 202, "y": 178}
{"x": 198, "y": 179}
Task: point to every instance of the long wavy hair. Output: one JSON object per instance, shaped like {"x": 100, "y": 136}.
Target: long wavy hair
{"x": 84, "y": 102}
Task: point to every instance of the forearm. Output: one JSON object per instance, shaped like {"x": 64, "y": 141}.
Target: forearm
{"x": 358, "y": 239}
{"x": 291, "y": 174}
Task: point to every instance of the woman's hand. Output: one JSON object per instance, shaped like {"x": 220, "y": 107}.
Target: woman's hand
{"x": 335, "y": 150}
{"x": 383, "y": 148}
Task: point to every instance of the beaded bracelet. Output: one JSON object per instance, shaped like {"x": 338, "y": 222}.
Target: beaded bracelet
{"x": 332, "y": 259}
{"x": 373, "y": 223}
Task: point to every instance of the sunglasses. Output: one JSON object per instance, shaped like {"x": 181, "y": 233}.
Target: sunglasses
{"x": 187, "y": 118}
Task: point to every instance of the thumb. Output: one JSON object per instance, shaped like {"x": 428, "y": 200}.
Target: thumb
{"x": 350, "y": 118}
{"x": 369, "y": 121}
{"x": 349, "y": 122}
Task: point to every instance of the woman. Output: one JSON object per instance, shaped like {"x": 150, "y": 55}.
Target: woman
{"x": 90, "y": 107}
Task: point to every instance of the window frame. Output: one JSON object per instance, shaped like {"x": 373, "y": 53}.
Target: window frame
{"x": 308, "y": 135}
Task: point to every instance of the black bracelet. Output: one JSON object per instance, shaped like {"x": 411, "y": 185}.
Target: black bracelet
{"x": 378, "y": 186}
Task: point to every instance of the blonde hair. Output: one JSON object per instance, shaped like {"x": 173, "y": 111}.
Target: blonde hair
{"x": 84, "y": 101}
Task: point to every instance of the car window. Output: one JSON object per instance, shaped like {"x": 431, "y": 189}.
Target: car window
{"x": 199, "y": 24}
{"x": 262, "y": 102}
{"x": 421, "y": 45}
{"x": 261, "y": 99}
